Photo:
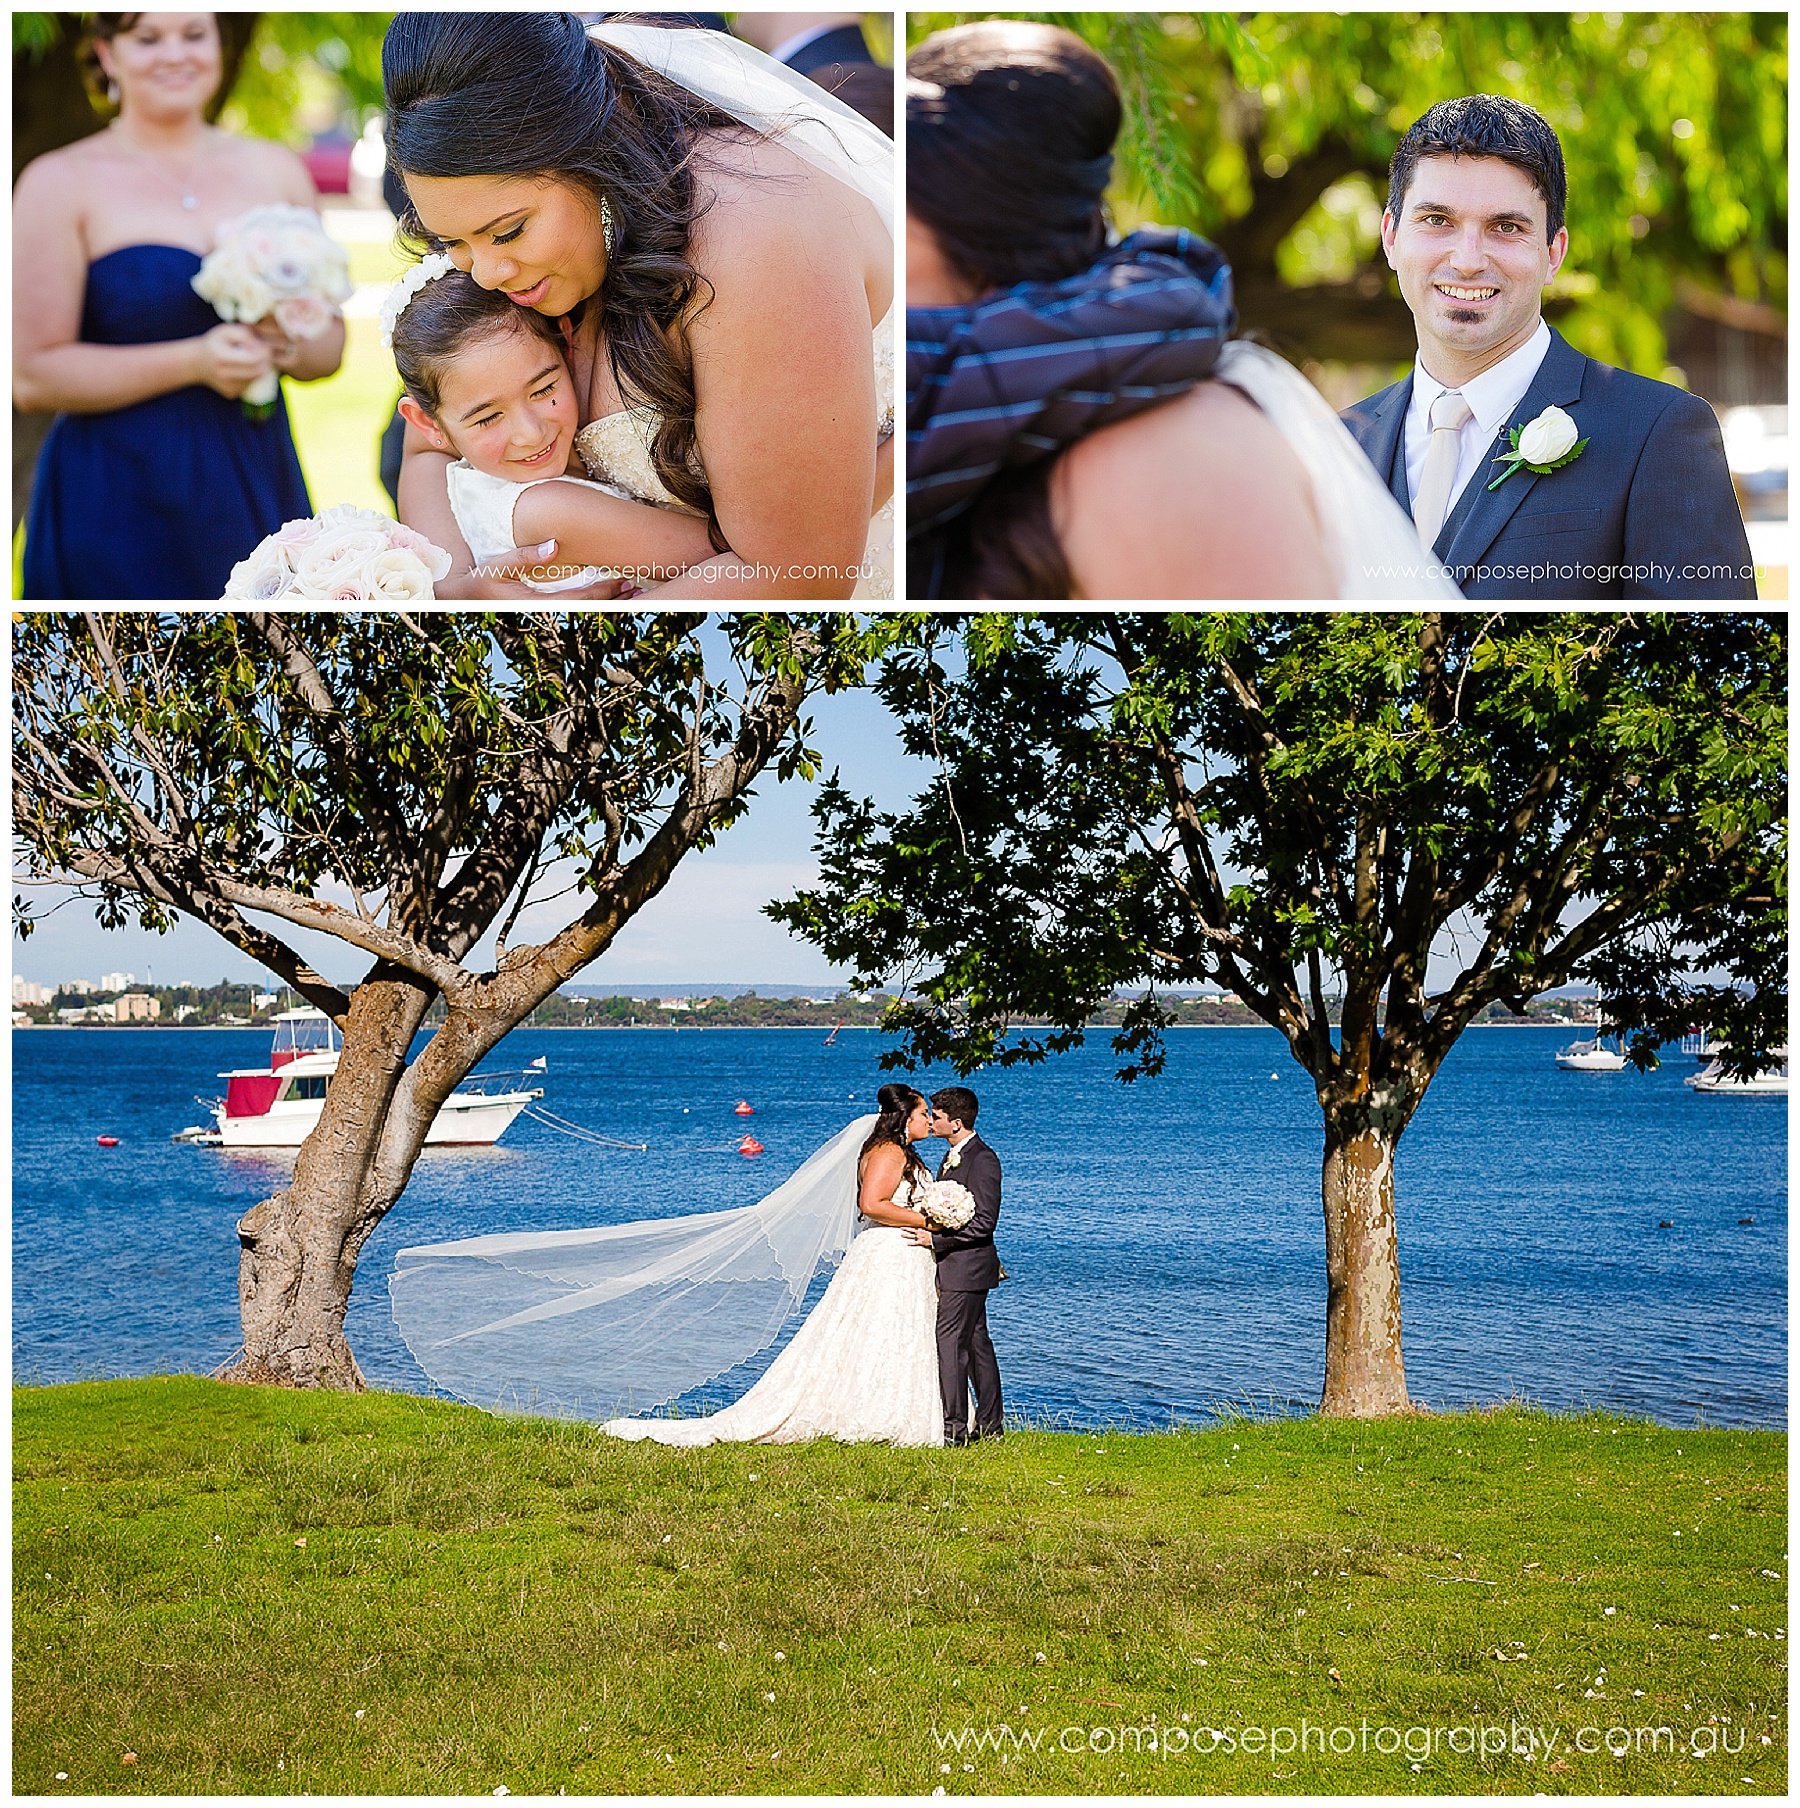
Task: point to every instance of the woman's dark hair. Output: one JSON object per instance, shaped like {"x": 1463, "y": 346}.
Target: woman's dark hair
{"x": 1486, "y": 125}
{"x": 450, "y": 313}
{"x": 531, "y": 94}
{"x": 1009, "y": 137}
{"x": 896, "y": 1104}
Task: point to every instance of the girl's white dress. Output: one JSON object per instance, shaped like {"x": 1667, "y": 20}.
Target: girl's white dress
{"x": 483, "y": 506}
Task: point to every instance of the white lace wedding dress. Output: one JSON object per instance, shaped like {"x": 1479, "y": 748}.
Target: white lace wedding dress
{"x": 862, "y": 1368}
{"x": 801, "y": 116}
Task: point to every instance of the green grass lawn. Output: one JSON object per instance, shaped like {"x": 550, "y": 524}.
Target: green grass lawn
{"x": 338, "y": 421}
{"x": 228, "y": 1589}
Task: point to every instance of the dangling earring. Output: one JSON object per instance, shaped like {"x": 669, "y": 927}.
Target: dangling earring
{"x": 606, "y": 226}
{"x": 112, "y": 93}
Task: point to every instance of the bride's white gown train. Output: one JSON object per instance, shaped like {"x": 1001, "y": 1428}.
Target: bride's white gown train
{"x": 863, "y": 1367}
{"x": 615, "y": 1318}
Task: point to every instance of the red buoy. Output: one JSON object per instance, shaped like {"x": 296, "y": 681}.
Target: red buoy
{"x": 107, "y": 1142}
{"x": 745, "y": 1108}
{"x": 750, "y": 1146}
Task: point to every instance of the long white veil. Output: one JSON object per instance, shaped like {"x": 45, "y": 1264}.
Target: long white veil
{"x": 1373, "y": 546}
{"x": 768, "y": 97}
{"x": 595, "y": 1324}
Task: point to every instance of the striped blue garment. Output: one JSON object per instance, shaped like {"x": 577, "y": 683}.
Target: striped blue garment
{"x": 1013, "y": 379}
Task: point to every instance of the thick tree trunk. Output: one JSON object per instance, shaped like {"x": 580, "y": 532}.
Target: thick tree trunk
{"x": 1365, "y": 1377}
{"x": 299, "y": 1247}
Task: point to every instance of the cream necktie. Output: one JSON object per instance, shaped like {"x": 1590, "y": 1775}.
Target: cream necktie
{"x": 1432, "y": 503}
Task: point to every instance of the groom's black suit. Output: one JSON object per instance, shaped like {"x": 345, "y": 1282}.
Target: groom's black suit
{"x": 968, "y": 1265}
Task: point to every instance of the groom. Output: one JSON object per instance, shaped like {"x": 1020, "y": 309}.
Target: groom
{"x": 1643, "y": 507}
{"x": 968, "y": 1267}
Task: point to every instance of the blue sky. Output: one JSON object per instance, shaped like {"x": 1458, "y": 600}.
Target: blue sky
{"x": 705, "y": 928}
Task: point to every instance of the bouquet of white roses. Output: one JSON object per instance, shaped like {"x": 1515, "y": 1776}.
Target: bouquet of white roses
{"x": 945, "y": 1204}
{"x": 275, "y": 260}
{"x": 345, "y": 555}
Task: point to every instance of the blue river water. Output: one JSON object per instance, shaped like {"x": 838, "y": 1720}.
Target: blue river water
{"x": 1164, "y": 1241}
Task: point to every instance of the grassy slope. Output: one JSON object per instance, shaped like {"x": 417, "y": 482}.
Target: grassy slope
{"x": 257, "y": 1590}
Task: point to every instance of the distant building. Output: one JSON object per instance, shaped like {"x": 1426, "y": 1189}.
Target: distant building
{"x": 136, "y": 1007}
{"x": 28, "y": 991}
{"x": 78, "y": 988}
{"x": 676, "y": 1004}
{"x": 117, "y": 982}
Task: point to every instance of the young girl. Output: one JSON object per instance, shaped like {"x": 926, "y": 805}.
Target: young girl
{"x": 487, "y": 380}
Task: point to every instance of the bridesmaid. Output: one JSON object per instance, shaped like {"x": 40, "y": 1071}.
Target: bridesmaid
{"x": 153, "y": 482}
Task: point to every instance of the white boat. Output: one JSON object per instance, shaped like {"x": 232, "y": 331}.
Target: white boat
{"x": 1591, "y": 1057}
{"x": 1771, "y": 1082}
{"x": 1702, "y": 1045}
{"x": 277, "y": 1107}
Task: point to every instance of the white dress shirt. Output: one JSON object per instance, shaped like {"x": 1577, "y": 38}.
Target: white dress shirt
{"x": 1492, "y": 397}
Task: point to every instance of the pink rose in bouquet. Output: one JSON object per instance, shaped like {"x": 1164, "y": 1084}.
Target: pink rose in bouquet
{"x": 345, "y": 555}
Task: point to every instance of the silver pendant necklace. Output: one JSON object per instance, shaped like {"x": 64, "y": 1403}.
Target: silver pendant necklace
{"x": 190, "y": 202}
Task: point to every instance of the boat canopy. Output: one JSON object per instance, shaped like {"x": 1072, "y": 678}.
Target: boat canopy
{"x": 300, "y": 1033}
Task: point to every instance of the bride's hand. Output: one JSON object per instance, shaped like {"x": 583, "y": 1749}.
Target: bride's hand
{"x": 920, "y": 1235}
{"x": 230, "y": 358}
{"x": 496, "y": 580}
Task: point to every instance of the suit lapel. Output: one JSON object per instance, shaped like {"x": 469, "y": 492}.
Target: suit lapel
{"x": 1480, "y": 513}
{"x": 1388, "y": 452}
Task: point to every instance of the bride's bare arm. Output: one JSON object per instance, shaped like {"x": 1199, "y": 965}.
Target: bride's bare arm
{"x": 882, "y": 1172}
{"x": 1197, "y": 498}
{"x": 784, "y": 385}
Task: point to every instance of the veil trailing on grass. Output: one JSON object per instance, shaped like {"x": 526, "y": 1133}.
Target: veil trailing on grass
{"x": 593, "y": 1324}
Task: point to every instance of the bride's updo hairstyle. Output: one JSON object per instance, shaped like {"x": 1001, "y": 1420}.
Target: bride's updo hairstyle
{"x": 1009, "y": 138}
{"x": 531, "y": 94}
{"x": 896, "y": 1104}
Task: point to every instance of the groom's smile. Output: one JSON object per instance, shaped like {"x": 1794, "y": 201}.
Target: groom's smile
{"x": 1472, "y": 252}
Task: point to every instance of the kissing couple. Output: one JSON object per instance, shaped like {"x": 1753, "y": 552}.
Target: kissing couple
{"x": 582, "y": 1323}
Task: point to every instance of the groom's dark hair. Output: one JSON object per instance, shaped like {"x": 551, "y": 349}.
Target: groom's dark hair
{"x": 957, "y": 1102}
{"x": 1486, "y": 125}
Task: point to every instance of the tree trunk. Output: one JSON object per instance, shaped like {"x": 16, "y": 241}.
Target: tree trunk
{"x": 1365, "y": 1377}
{"x": 299, "y": 1247}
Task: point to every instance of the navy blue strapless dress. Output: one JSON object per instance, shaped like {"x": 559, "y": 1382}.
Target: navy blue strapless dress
{"x": 161, "y": 499}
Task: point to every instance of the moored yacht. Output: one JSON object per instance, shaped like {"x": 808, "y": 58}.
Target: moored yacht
{"x": 278, "y": 1106}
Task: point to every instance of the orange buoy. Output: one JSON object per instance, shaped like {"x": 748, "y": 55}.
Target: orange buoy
{"x": 107, "y": 1142}
{"x": 745, "y": 1109}
{"x": 750, "y": 1146}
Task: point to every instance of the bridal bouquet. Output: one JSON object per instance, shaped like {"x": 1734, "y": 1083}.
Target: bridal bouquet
{"x": 275, "y": 260}
{"x": 345, "y": 555}
{"x": 945, "y": 1204}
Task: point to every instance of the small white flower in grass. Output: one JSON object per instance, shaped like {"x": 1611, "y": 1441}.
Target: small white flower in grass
{"x": 781, "y": 1657}
{"x": 1637, "y": 1694}
{"x": 768, "y": 1698}
{"x": 945, "y": 1768}
{"x": 62, "y": 1776}
{"x": 940, "y": 1788}
{"x": 755, "y": 1477}
{"x": 668, "y": 1538}
{"x": 968, "y": 1767}
{"x": 1713, "y": 1636}
{"x": 360, "y": 1712}
{"x": 503, "y": 1790}
{"x": 1040, "y": 1658}
{"x": 1611, "y": 1611}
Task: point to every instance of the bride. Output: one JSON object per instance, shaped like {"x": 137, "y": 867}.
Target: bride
{"x": 714, "y": 235}
{"x": 583, "y": 1322}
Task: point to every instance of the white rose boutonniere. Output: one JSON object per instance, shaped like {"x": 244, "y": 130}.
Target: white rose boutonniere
{"x": 953, "y": 1160}
{"x": 1544, "y": 445}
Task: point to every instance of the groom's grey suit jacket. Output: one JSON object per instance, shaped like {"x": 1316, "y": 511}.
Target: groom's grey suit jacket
{"x": 967, "y": 1261}
{"x": 1646, "y": 511}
